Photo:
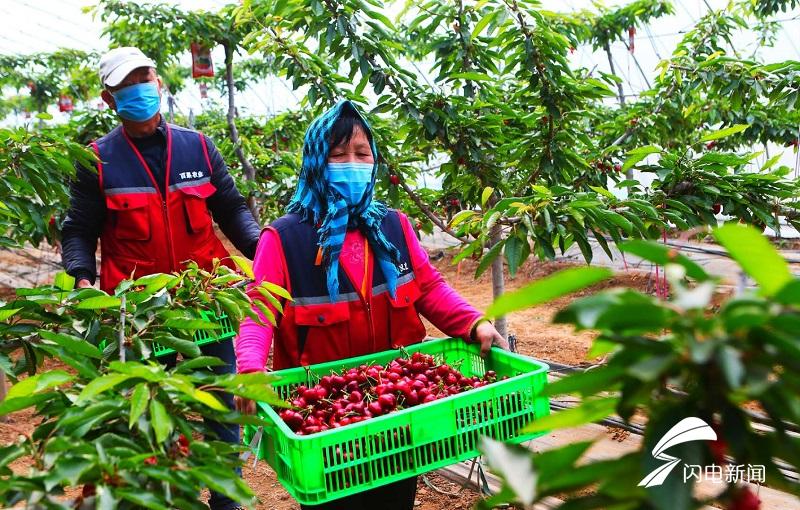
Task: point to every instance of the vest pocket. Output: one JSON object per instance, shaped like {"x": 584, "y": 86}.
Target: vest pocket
{"x": 405, "y": 327}
{"x": 323, "y": 332}
{"x": 130, "y": 216}
{"x": 197, "y": 216}
{"x": 115, "y": 268}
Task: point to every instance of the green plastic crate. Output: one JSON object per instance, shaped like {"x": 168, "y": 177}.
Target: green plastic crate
{"x": 338, "y": 462}
{"x": 201, "y": 336}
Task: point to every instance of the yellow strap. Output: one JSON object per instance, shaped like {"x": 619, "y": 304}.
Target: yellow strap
{"x": 366, "y": 268}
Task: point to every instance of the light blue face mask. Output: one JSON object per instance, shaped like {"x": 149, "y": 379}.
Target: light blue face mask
{"x": 349, "y": 179}
{"x": 138, "y": 102}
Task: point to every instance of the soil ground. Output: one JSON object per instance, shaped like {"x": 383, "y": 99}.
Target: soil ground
{"x": 536, "y": 337}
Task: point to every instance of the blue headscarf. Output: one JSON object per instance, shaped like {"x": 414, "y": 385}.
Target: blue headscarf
{"x": 316, "y": 201}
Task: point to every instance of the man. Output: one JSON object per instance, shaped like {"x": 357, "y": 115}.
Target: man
{"x": 152, "y": 199}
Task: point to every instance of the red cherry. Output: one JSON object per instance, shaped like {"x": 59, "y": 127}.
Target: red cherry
{"x": 395, "y": 180}
{"x": 375, "y": 408}
{"x": 717, "y": 208}
{"x": 617, "y": 167}
{"x": 151, "y": 461}
{"x": 718, "y": 450}
{"x": 387, "y": 401}
{"x": 710, "y": 145}
{"x": 745, "y": 500}
{"x": 311, "y": 396}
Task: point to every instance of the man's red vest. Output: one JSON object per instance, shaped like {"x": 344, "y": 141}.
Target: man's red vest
{"x": 145, "y": 232}
{"x": 314, "y": 329}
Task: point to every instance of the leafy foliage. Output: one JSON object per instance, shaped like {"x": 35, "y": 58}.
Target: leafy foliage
{"x": 675, "y": 359}
{"x": 35, "y": 168}
{"x": 126, "y": 431}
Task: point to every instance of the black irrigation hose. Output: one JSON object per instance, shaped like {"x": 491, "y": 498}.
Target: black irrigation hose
{"x": 561, "y": 369}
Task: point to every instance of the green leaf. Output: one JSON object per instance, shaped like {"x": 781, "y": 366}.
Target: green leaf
{"x": 515, "y": 465}
{"x": 722, "y": 133}
{"x": 210, "y": 400}
{"x": 479, "y": 26}
{"x": 637, "y": 155}
{"x": 11, "y": 405}
{"x": 199, "y": 362}
{"x": 732, "y": 366}
{"x": 461, "y": 217}
{"x": 154, "y": 282}
{"x": 587, "y": 412}
{"x": 513, "y": 251}
{"x": 141, "y": 499}
{"x": 72, "y": 343}
{"x": 8, "y": 313}
{"x": 757, "y": 257}
{"x": 139, "y": 399}
{"x": 547, "y": 289}
{"x": 587, "y": 382}
{"x": 185, "y": 347}
{"x": 245, "y": 265}
{"x": 98, "y": 302}
{"x": 190, "y": 324}
{"x": 271, "y": 298}
{"x": 64, "y": 281}
{"x": 161, "y": 421}
{"x": 67, "y": 471}
{"x": 231, "y": 486}
{"x": 38, "y": 383}
{"x": 277, "y": 289}
{"x": 99, "y": 385}
{"x": 472, "y": 75}
{"x": 663, "y": 255}
{"x": 487, "y": 192}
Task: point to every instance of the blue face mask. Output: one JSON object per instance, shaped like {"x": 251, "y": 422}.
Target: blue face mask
{"x": 138, "y": 102}
{"x": 349, "y": 179}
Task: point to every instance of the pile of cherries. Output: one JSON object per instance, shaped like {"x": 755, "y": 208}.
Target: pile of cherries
{"x": 369, "y": 391}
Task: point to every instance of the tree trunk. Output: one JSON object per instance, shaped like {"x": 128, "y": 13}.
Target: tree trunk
{"x": 498, "y": 281}
{"x": 171, "y": 107}
{"x": 2, "y": 391}
{"x": 249, "y": 170}
{"x": 620, "y": 93}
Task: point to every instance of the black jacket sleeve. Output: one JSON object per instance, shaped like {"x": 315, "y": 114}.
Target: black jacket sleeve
{"x": 229, "y": 208}
{"x": 82, "y": 226}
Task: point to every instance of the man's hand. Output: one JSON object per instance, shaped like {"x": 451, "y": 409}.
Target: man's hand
{"x": 84, "y": 284}
{"x": 488, "y": 337}
{"x": 245, "y": 405}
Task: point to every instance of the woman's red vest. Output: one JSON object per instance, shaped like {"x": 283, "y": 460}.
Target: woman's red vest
{"x": 313, "y": 329}
{"x": 145, "y": 232}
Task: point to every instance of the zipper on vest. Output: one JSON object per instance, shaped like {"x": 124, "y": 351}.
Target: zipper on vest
{"x": 172, "y": 263}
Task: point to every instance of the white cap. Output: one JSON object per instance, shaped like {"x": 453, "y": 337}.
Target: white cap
{"x": 119, "y": 62}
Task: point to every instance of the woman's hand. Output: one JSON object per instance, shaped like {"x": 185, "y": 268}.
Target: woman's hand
{"x": 245, "y": 405}
{"x": 488, "y": 337}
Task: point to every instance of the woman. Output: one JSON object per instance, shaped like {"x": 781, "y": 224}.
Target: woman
{"x": 357, "y": 274}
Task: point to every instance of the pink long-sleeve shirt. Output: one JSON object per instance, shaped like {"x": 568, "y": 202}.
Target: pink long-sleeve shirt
{"x": 439, "y": 303}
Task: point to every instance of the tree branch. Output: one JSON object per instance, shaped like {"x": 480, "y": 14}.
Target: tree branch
{"x": 249, "y": 169}
{"x": 427, "y": 212}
